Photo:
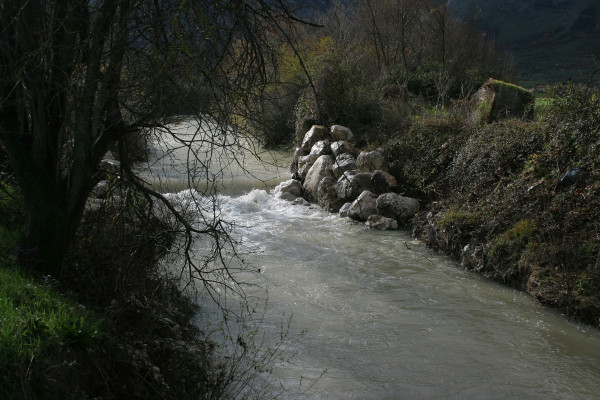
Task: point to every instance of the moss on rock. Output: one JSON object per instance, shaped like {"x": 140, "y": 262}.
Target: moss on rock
{"x": 497, "y": 100}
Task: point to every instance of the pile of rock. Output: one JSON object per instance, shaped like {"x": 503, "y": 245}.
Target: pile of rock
{"x": 327, "y": 172}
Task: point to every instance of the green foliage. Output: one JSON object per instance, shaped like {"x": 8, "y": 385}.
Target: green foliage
{"x": 495, "y": 190}
{"x": 423, "y": 82}
{"x": 541, "y": 104}
{"x": 36, "y": 320}
{"x": 506, "y": 251}
{"x": 573, "y": 115}
{"x": 420, "y": 155}
{"x": 459, "y": 219}
{"x": 344, "y": 93}
{"x": 507, "y": 86}
{"x": 495, "y": 152}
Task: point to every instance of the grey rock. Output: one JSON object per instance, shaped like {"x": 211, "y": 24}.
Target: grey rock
{"x": 300, "y": 201}
{"x": 497, "y": 100}
{"x": 352, "y": 183}
{"x": 305, "y": 163}
{"x": 109, "y": 164}
{"x": 394, "y": 206}
{"x": 287, "y": 196}
{"x": 344, "y": 210}
{"x": 339, "y": 132}
{"x": 316, "y": 133}
{"x": 364, "y": 206}
{"x": 321, "y": 168}
{"x": 288, "y": 190}
{"x": 327, "y": 195}
{"x": 321, "y": 148}
{"x": 100, "y": 191}
{"x": 341, "y": 147}
{"x": 379, "y": 183}
{"x": 344, "y": 162}
{"x": 371, "y": 161}
{"x": 380, "y": 222}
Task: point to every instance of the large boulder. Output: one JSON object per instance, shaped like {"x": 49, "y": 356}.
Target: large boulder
{"x": 288, "y": 190}
{"x": 344, "y": 162}
{"x": 382, "y": 223}
{"x": 344, "y": 210}
{"x": 321, "y": 148}
{"x": 295, "y": 165}
{"x": 327, "y": 195}
{"x": 381, "y": 182}
{"x": 339, "y": 132}
{"x": 394, "y": 206}
{"x": 352, "y": 183}
{"x": 369, "y": 161}
{"x": 316, "y": 133}
{"x": 303, "y": 125}
{"x": 321, "y": 168}
{"x": 364, "y": 206}
{"x": 304, "y": 165}
{"x": 497, "y": 100}
{"x": 341, "y": 147}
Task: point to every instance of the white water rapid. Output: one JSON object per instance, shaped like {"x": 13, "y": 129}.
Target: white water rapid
{"x": 376, "y": 315}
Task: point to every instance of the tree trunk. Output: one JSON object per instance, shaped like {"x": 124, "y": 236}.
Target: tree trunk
{"x": 53, "y": 215}
{"x": 46, "y": 240}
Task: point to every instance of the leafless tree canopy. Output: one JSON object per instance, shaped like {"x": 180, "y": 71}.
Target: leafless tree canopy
{"x": 81, "y": 76}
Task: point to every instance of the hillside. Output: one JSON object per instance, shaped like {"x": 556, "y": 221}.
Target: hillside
{"x": 552, "y": 40}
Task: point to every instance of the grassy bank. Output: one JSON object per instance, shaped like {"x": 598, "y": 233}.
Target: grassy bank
{"x": 112, "y": 327}
{"x": 494, "y": 200}
{"x": 42, "y": 335}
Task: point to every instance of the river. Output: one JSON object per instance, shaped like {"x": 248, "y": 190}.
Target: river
{"x": 376, "y": 315}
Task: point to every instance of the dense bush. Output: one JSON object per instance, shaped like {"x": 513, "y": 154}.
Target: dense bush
{"x": 573, "y": 119}
{"x": 421, "y": 153}
{"x": 493, "y": 154}
{"x": 500, "y": 209}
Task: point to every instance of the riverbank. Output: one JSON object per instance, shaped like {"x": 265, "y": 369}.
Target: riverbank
{"x": 516, "y": 201}
{"x": 515, "y": 198}
{"x": 113, "y": 326}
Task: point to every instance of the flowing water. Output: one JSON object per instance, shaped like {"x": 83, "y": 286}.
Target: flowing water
{"x": 376, "y": 315}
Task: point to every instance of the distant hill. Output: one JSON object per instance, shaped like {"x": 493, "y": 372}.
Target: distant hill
{"x": 552, "y": 40}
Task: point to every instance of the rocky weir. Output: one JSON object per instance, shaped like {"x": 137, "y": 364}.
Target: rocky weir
{"x": 327, "y": 170}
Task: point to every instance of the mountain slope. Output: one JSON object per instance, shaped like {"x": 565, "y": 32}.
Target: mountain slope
{"x": 552, "y": 40}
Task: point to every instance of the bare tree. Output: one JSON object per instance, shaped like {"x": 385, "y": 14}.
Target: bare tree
{"x": 80, "y": 76}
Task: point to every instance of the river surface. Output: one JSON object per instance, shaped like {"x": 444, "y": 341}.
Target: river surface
{"x": 376, "y": 315}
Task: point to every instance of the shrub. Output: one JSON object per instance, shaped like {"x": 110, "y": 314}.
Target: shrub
{"x": 492, "y": 154}
{"x": 573, "y": 119}
{"x": 420, "y": 154}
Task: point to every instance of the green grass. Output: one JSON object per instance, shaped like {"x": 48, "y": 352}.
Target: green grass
{"x": 36, "y": 321}
{"x": 459, "y": 218}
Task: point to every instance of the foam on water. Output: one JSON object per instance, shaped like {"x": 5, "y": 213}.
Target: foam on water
{"x": 387, "y": 319}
